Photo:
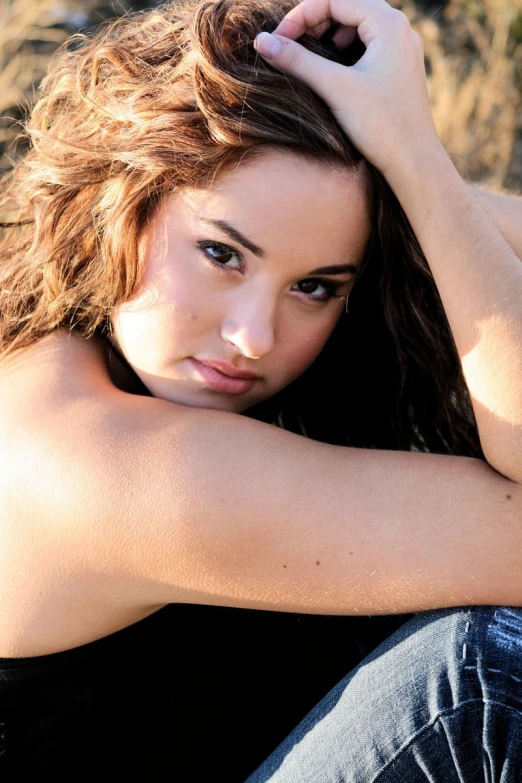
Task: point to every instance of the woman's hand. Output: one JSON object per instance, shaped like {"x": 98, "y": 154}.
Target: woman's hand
{"x": 381, "y": 102}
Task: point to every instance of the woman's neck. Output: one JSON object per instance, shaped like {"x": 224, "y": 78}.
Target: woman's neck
{"x": 63, "y": 365}
{"x": 120, "y": 371}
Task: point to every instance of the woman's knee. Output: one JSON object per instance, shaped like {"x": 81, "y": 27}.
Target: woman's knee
{"x": 416, "y": 675}
{"x": 445, "y": 668}
{"x": 444, "y": 658}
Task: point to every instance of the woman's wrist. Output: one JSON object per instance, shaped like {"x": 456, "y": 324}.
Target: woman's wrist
{"x": 416, "y": 165}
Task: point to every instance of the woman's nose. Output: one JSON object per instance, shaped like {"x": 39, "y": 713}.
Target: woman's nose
{"x": 251, "y": 331}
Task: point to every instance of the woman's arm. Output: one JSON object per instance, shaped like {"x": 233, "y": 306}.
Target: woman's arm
{"x": 382, "y": 104}
{"x": 506, "y": 211}
{"x": 479, "y": 279}
{"x": 164, "y": 503}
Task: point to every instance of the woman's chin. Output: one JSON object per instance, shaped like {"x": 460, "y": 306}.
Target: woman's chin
{"x": 163, "y": 390}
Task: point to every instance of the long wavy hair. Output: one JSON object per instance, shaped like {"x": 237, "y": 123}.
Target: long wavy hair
{"x": 175, "y": 96}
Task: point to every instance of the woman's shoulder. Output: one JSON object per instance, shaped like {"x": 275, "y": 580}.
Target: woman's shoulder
{"x": 50, "y": 375}
{"x": 54, "y": 398}
{"x": 62, "y": 387}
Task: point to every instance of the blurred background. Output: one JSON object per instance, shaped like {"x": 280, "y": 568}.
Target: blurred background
{"x": 473, "y": 59}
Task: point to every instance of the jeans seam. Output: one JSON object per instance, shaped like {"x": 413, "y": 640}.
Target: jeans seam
{"x": 494, "y": 620}
{"x": 434, "y": 720}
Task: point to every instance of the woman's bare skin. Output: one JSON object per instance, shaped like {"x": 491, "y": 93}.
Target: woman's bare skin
{"x": 103, "y": 521}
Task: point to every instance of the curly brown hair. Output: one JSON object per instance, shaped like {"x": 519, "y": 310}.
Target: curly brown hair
{"x": 162, "y": 99}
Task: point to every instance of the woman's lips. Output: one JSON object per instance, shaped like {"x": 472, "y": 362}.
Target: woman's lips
{"x": 221, "y": 382}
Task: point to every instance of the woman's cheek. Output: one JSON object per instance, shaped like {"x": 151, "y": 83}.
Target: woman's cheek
{"x": 307, "y": 351}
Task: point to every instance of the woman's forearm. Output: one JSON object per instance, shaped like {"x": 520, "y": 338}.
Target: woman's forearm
{"x": 479, "y": 278}
{"x": 506, "y": 211}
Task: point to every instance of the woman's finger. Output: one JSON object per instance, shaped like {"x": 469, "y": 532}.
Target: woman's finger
{"x": 344, "y": 36}
{"x": 302, "y": 18}
{"x": 380, "y": 101}
{"x": 418, "y": 42}
{"x": 310, "y": 14}
{"x": 292, "y": 58}
{"x": 318, "y": 31}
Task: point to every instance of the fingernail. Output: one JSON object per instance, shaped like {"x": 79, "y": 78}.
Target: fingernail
{"x": 267, "y": 45}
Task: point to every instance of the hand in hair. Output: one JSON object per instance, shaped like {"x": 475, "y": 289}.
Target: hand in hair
{"x": 381, "y": 102}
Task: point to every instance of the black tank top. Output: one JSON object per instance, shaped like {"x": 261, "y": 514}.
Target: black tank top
{"x": 191, "y": 693}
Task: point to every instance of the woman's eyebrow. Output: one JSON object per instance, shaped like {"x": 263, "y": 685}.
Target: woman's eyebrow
{"x": 341, "y": 269}
{"x": 237, "y": 236}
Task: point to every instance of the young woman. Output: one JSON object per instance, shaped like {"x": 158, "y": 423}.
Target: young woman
{"x": 193, "y": 235}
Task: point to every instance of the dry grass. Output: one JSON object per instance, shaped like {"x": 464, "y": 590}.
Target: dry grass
{"x": 30, "y": 32}
{"x": 28, "y": 36}
{"x": 475, "y": 72}
{"x": 473, "y": 53}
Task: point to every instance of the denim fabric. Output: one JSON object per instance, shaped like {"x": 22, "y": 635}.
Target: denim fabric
{"x": 440, "y": 701}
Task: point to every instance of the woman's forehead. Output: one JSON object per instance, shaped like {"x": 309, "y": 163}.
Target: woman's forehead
{"x": 280, "y": 196}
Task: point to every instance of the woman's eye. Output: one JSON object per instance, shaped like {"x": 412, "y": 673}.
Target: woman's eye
{"x": 221, "y": 255}
{"x": 319, "y": 290}
{"x": 224, "y": 258}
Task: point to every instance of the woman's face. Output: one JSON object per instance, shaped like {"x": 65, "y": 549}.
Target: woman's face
{"x": 241, "y": 281}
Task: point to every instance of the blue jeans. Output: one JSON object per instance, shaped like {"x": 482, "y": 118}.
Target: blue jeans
{"x": 440, "y": 701}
